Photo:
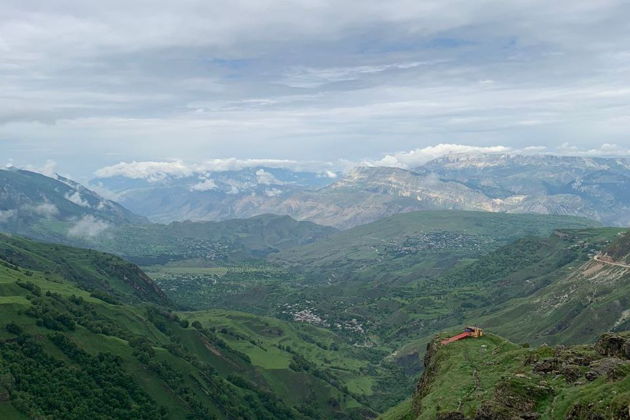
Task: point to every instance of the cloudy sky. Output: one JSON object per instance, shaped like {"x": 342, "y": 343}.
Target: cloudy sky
{"x": 89, "y": 84}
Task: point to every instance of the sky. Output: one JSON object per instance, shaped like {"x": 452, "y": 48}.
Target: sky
{"x": 86, "y": 85}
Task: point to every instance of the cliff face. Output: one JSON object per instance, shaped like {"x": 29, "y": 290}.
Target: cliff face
{"x": 431, "y": 371}
{"x": 491, "y": 378}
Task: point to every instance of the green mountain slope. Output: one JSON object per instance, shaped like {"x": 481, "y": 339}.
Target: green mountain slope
{"x": 492, "y": 378}
{"x": 55, "y": 209}
{"x": 535, "y": 290}
{"x": 573, "y": 304}
{"x": 209, "y": 243}
{"x": 293, "y": 355}
{"x": 65, "y": 354}
{"x": 71, "y": 347}
{"x": 542, "y": 290}
{"x": 407, "y": 237}
{"x": 391, "y": 284}
{"x": 60, "y": 210}
{"x": 102, "y": 274}
{"x": 372, "y": 273}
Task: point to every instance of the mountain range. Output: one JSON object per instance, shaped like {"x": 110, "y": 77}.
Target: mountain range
{"x": 56, "y": 208}
{"x": 597, "y": 188}
{"x": 208, "y": 195}
{"x": 355, "y": 309}
{"x": 271, "y": 317}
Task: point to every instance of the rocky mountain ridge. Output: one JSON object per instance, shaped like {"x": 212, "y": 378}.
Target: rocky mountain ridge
{"x": 53, "y": 208}
{"x": 596, "y": 188}
{"x": 209, "y": 195}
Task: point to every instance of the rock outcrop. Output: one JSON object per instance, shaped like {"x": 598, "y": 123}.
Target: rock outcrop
{"x": 491, "y": 379}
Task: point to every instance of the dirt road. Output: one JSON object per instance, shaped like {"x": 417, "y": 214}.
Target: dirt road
{"x": 598, "y": 259}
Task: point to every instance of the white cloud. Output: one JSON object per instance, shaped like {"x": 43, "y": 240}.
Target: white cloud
{"x": 273, "y": 192}
{"x": 88, "y": 227}
{"x": 606, "y": 150}
{"x": 76, "y": 198}
{"x": 266, "y": 178}
{"x": 315, "y": 77}
{"x": 44, "y": 209}
{"x": 205, "y": 185}
{"x": 151, "y": 171}
{"x": 6, "y": 215}
{"x": 157, "y": 171}
{"x": 418, "y": 157}
{"x": 233, "y": 190}
{"x": 49, "y": 168}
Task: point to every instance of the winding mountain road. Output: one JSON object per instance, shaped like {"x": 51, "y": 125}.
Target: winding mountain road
{"x": 598, "y": 259}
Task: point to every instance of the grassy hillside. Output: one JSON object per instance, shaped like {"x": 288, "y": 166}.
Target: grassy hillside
{"x": 490, "y": 377}
{"x": 210, "y": 243}
{"x": 572, "y": 304}
{"x": 406, "y": 236}
{"x": 69, "y": 351}
{"x": 535, "y": 290}
{"x": 66, "y": 354}
{"x": 293, "y": 353}
{"x": 102, "y": 274}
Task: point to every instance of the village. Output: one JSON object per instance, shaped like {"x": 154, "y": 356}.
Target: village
{"x": 435, "y": 241}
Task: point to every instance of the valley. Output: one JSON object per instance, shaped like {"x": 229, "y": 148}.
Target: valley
{"x": 292, "y": 319}
{"x": 314, "y": 210}
{"x": 104, "y": 336}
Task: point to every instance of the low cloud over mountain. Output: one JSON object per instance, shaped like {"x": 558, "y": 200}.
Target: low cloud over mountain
{"x": 496, "y": 179}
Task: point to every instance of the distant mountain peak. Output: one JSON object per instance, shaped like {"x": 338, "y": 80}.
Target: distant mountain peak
{"x": 55, "y": 208}
{"x": 481, "y": 160}
{"x": 597, "y": 188}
